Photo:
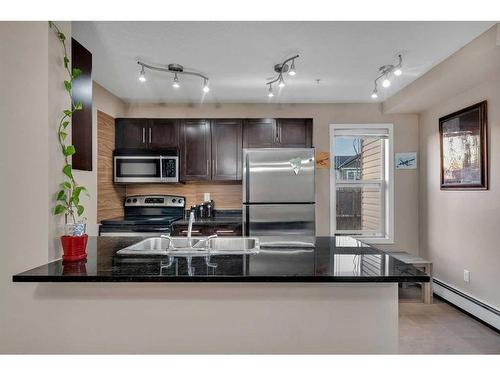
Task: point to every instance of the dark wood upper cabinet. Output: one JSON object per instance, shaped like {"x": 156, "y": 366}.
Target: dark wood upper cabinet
{"x": 163, "y": 133}
{"x": 294, "y": 133}
{"x": 211, "y": 149}
{"x": 226, "y": 149}
{"x": 196, "y": 158}
{"x": 259, "y": 133}
{"x": 131, "y": 133}
{"x": 81, "y": 127}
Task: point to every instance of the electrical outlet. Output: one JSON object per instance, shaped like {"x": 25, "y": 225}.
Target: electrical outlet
{"x": 467, "y": 276}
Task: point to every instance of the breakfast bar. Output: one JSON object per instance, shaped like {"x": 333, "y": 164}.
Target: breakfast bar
{"x": 339, "y": 297}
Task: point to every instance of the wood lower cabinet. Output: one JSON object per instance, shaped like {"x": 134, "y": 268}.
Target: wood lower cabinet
{"x": 163, "y": 133}
{"x": 195, "y": 150}
{"x": 259, "y": 133}
{"x": 294, "y": 133}
{"x": 226, "y": 149}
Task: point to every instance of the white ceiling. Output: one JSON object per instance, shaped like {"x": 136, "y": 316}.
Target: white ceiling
{"x": 238, "y": 57}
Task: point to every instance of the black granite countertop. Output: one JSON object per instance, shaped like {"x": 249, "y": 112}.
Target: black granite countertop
{"x": 221, "y": 217}
{"x": 334, "y": 259}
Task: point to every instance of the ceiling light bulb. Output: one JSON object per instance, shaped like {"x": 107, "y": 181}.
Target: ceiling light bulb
{"x": 386, "y": 82}
{"x": 176, "y": 82}
{"x": 292, "y": 71}
{"x": 142, "y": 75}
{"x": 282, "y": 82}
{"x": 205, "y": 86}
{"x": 270, "y": 91}
{"x": 374, "y": 94}
{"x": 398, "y": 72}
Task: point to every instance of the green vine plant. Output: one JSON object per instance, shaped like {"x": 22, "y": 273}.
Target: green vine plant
{"x": 68, "y": 196}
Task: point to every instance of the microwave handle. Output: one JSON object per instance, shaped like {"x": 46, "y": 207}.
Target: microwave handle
{"x": 161, "y": 168}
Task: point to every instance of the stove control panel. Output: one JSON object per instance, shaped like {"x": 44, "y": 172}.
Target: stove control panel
{"x": 155, "y": 201}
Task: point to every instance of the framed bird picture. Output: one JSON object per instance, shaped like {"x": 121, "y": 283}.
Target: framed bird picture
{"x": 464, "y": 149}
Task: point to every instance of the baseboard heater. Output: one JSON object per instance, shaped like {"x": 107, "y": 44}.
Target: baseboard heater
{"x": 486, "y": 313}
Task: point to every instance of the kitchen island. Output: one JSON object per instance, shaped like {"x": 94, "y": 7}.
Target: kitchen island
{"x": 340, "y": 297}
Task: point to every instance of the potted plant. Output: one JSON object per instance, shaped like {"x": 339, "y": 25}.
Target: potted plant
{"x": 74, "y": 238}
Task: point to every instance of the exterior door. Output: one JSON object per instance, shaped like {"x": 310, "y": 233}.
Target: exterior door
{"x": 226, "y": 150}
{"x": 259, "y": 133}
{"x": 195, "y": 150}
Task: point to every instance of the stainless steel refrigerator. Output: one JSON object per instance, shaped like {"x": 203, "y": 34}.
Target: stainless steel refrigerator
{"x": 279, "y": 196}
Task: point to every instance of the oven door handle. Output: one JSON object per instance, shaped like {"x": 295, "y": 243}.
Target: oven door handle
{"x": 150, "y": 230}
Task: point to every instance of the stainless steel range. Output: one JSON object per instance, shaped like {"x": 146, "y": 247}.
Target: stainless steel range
{"x": 145, "y": 216}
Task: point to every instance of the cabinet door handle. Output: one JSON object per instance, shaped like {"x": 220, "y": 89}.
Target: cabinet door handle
{"x": 193, "y": 231}
{"x": 276, "y": 131}
{"x": 208, "y": 166}
{"x": 280, "y": 132}
{"x": 224, "y": 231}
{"x": 149, "y": 135}
{"x": 143, "y": 135}
{"x": 213, "y": 166}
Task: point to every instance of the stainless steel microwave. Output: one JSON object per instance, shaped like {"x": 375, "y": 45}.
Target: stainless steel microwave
{"x": 145, "y": 166}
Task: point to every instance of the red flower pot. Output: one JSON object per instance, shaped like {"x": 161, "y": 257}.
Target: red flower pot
{"x": 74, "y": 248}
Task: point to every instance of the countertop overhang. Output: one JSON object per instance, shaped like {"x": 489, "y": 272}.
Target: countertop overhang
{"x": 334, "y": 260}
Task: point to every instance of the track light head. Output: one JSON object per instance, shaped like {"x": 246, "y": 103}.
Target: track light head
{"x": 374, "y": 94}
{"x": 205, "y": 86}
{"x": 281, "y": 83}
{"x": 142, "y": 75}
{"x": 291, "y": 71}
{"x": 270, "y": 93}
{"x": 175, "y": 84}
{"x": 386, "y": 82}
{"x": 398, "y": 72}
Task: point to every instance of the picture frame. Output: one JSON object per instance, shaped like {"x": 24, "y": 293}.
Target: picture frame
{"x": 405, "y": 160}
{"x": 463, "y": 141}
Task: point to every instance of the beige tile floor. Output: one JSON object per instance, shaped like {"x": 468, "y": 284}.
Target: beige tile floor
{"x": 440, "y": 328}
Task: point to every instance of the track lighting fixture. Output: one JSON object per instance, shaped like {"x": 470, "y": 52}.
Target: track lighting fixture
{"x": 281, "y": 69}
{"x": 385, "y": 74}
{"x": 174, "y": 69}
{"x": 176, "y": 82}
{"x": 142, "y": 75}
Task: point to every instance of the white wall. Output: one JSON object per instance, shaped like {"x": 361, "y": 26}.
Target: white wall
{"x": 24, "y": 161}
{"x": 459, "y": 229}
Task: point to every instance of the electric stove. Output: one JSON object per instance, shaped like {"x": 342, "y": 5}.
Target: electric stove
{"x": 145, "y": 216}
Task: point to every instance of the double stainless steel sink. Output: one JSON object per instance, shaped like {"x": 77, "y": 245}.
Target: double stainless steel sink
{"x": 199, "y": 246}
